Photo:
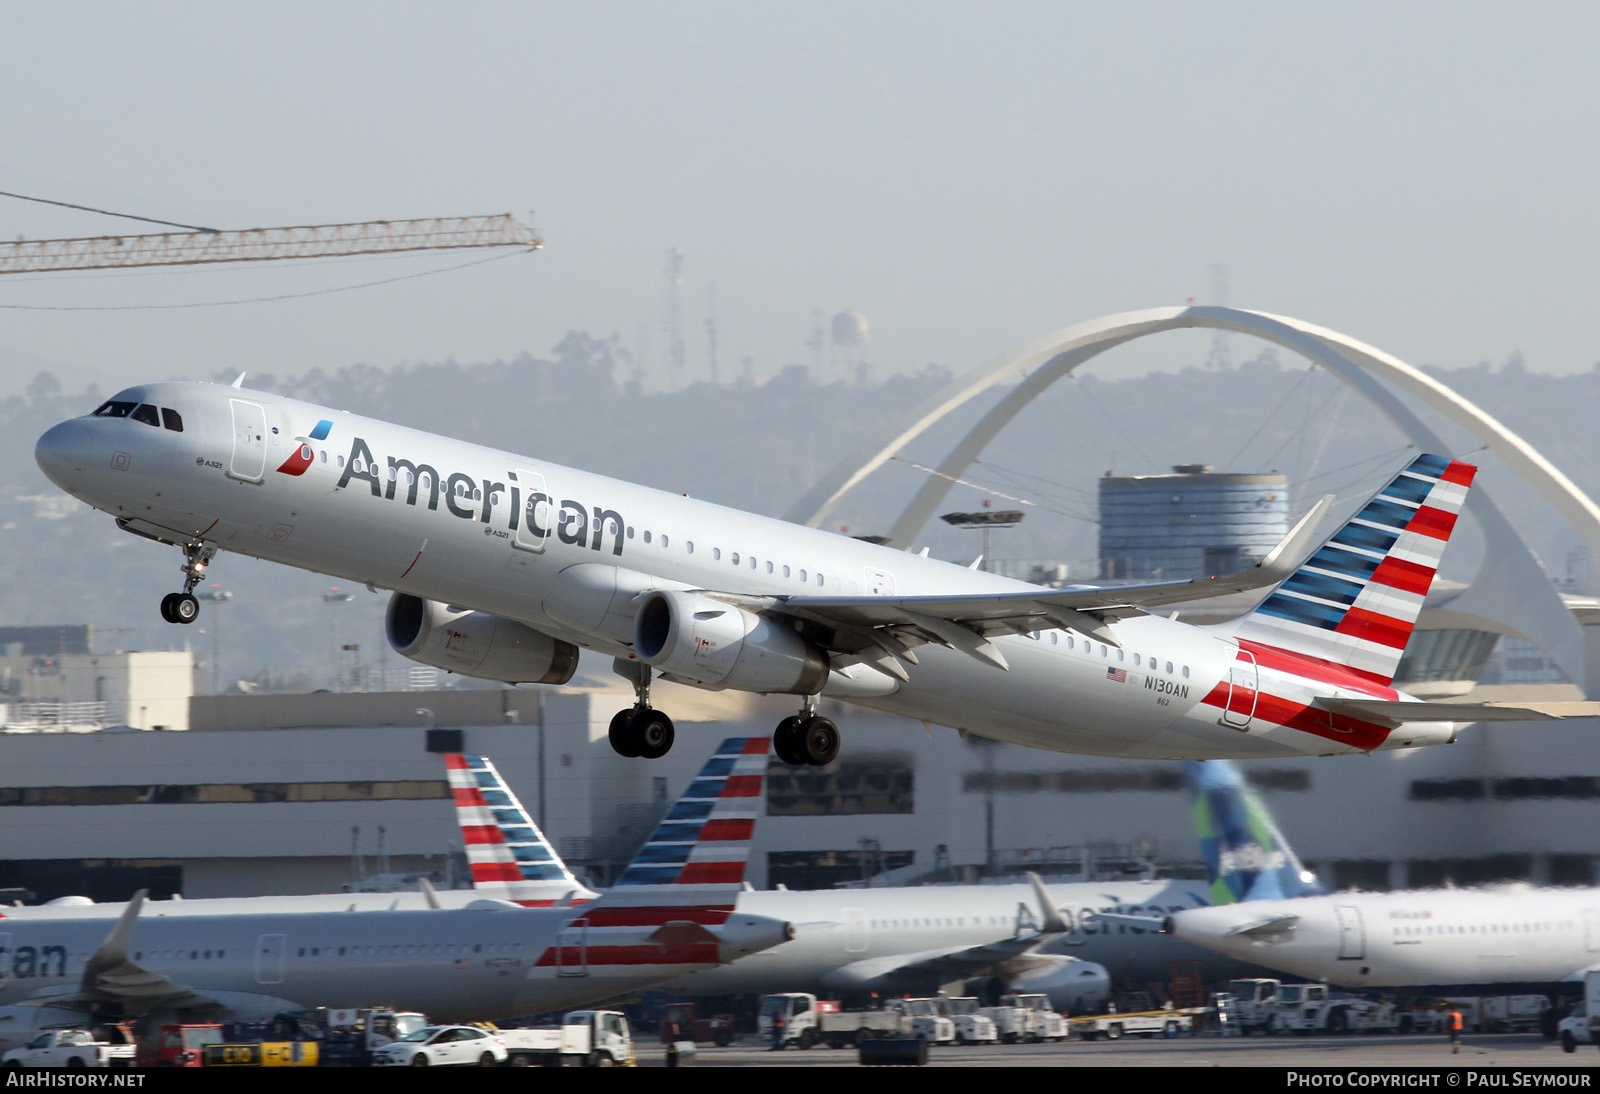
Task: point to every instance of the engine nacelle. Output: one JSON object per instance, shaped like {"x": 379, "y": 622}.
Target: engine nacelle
{"x": 716, "y": 645}
{"x": 476, "y": 643}
{"x": 1073, "y": 985}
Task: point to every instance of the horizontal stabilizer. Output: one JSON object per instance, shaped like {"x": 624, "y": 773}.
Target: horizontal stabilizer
{"x": 1267, "y": 924}
{"x": 1401, "y": 711}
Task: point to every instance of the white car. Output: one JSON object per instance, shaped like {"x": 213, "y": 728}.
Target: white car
{"x": 438, "y": 1046}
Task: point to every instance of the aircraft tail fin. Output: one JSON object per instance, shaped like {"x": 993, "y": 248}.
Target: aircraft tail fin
{"x": 1246, "y": 856}
{"x": 509, "y": 857}
{"x": 703, "y": 843}
{"x": 1354, "y": 602}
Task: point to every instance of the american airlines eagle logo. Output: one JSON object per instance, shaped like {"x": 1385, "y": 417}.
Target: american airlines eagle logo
{"x": 300, "y": 460}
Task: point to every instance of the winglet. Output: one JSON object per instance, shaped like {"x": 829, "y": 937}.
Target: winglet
{"x": 239, "y": 383}
{"x": 113, "y": 952}
{"x": 1286, "y": 556}
{"x": 428, "y": 895}
{"x": 1050, "y": 921}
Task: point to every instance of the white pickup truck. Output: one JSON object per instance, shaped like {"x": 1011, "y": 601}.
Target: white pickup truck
{"x": 70, "y": 1048}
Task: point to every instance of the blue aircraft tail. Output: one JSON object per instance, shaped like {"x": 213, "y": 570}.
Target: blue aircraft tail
{"x": 1247, "y": 858}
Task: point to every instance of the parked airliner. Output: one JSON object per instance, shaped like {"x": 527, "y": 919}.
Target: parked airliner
{"x": 502, "y": 566}
{"x": 491, "y": 958}
{"x": 1484, "y": 941}
{"x": 1023, "y": 937}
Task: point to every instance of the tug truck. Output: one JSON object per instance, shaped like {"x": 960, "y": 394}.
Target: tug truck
{"x": 1026, "y": 1018}
{"x": 971, "y": 1024}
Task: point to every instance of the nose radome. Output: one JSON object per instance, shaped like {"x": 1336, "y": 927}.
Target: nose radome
{"x": 62, "y": 451}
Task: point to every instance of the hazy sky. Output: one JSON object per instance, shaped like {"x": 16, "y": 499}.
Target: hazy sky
{"x": 968, "y": 177}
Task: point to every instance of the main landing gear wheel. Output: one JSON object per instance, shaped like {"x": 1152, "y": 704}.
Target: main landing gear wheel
{"x": 806, "y": 740}
{"x": 179, "y": 608}
{"x": 642, "y": 732}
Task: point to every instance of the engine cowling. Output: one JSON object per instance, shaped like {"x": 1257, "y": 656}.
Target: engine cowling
{"x": 716, "y": 645}
{"x": 476, "y": 643}
{"x": 1074, "y": 986}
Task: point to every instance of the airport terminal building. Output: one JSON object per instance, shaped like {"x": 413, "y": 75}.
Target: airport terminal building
{"x": 315, "y": 793}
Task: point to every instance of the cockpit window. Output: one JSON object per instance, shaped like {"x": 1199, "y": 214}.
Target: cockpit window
{"x": 111, "y": 408}
{"x": 171, "y": 420}
{"x": 147, "y": 414}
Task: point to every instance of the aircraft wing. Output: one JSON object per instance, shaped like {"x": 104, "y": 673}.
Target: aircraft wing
{"x": 112, "y": 981}
{"x": 965, "y": 622}
{"x": 1401, "y": 711}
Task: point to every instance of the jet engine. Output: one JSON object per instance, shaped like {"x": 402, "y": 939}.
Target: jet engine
{"x": 1073, "y": 985}
{"x": 716, "y": 645}
{"x": 476, "y": 643}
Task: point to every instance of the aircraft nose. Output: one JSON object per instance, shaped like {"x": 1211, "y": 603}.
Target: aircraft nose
{"x": 63, "y": 451}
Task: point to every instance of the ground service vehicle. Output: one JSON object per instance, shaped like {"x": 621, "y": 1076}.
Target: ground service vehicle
{"x": 801, "y": 1019}
{"x": 442, "y": 1046}
{"x": 1149, "y": 1023}
{"x": 927, "y": 1019}
{"x": 350, "y": 1036}
{"x": 681, "y": 1022}
{"x": 1026, "y": 1018}
{"x": 590, "y": 1038}
{"x": 1311, "y": 1008}
{"x": 1581, "y": 1026}
{"x": 971, "y": 1024}
{"x": 180, "y": 1045}
{"x": 72, "y": 1048}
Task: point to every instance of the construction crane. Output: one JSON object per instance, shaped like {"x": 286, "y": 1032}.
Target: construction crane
{"x": 265, "y": 244}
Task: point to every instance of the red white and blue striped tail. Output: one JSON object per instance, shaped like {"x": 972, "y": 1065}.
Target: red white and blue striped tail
{"x": 697, "y": 855}
{"x": 1355, "y": 601}
{"x": 509, "y": 857}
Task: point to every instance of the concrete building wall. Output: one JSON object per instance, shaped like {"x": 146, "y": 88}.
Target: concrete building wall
{"x": 1360, "y": 817}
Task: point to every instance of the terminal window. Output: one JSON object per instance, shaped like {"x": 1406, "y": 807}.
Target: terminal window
{"x": 858, "y": 786}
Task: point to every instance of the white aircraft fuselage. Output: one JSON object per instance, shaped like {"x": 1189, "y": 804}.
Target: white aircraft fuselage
{"x": 573, "y": 556}
{"x": 464, "y": 964}
{"x": 1479, "y": 940}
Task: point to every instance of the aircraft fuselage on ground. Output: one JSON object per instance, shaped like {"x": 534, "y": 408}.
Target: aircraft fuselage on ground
{"x": 503, "y": 566}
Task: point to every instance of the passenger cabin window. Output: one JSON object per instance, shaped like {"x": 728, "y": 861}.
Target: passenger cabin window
{"x": 171, "y": 420}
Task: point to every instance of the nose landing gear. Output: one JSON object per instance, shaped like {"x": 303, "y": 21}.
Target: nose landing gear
{"x": 183, "y": 607}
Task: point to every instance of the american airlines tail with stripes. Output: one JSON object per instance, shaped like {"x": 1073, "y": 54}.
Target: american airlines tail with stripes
{"x": 508, "y": 855}
{"x": 506, "y": 566}
{"x": 1353, "y": 604}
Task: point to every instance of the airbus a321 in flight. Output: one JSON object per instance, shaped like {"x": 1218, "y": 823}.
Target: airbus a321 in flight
{"x": 502, "y": 566}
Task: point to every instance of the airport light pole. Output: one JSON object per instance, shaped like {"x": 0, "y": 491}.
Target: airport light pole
{"x": 333, "y": 599}
{"x": 985, "y": 519}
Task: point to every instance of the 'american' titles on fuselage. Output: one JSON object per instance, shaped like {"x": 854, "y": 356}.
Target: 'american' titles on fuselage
{"x": 474, "y": 499}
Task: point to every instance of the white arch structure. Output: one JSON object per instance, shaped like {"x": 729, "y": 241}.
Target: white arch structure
{"x": 1511, "y": 587}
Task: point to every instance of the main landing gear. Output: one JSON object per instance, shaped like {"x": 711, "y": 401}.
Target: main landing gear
{"x": 641, "y": 730}
{"x": 183, "y": 607}
{"x": 806, "y": 738}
